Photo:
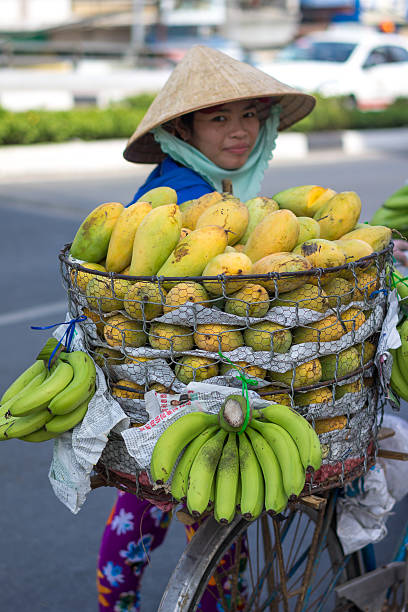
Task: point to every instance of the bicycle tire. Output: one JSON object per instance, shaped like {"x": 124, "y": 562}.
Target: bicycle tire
{"x": 211, "y": 542}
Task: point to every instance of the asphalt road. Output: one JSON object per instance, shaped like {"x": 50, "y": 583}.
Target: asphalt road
{"x": 47, "y": 554}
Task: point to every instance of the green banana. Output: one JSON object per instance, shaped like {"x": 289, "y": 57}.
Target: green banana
{"x": 402, "y": 351}
{"x": 397, "y": 381}
{"x": 179, "y": 482}
{"x": 315, "y": 460}
{"x": 64, "y": 422}
{"x": 238, "y": 495}
{"x": 61, "y": 375}
{"x": 23, "y": 380}
{"x": 33, "y": 384}
{"x": 174, "y": 439}
{"x": 401, "y": 284}
{"x": 287, "y": 454}
{"x": 276, "y": 497}
{"x": 226, "y": 481}
{"x": 22, "y": 426}
{"x": 75, "y": 393}
{"x": 294, "y": 424}
{"x": 211, "y": 498}
{"x": 252, "y": 482}
{"x": 39, "y": 435}
{"x": 202, "y": 473}
{"x": 48, "y": 348}
{"x": 397, "y": 202}
{"x": 260, "y": 503}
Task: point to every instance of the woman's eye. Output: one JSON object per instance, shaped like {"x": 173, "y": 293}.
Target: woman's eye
{"x": 250, "y": 114}
{"x": 219, "y": 118}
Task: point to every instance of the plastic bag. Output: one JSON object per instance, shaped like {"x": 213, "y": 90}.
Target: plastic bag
{"x": 396, "y": 472}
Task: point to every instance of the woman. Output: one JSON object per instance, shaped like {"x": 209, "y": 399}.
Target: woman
{"x": 215, "y": 119}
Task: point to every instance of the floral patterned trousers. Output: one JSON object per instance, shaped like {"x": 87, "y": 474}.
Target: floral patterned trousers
{"x": 134, "y": 529}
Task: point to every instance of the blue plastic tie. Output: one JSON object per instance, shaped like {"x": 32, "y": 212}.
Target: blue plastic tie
{"x": 66, "y": 338}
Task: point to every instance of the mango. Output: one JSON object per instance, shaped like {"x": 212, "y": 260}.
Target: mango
{"x": 308, "y": 228}
{"x": 339, "y": 292}
{"x": 159, "y": 196}
{"x": 184, "y": 292}
{"x": 230, "y": 215}
{"x": 100, "y": 296}
{"x": 215, "y": 337}
{"x": 191, "y": 368}
{"x": 248, "y": 370}
{"x": 159, "y": 388}
{"x": 184, "y": 232}
{"x": 277, "y": 232}
{"x": 155, "y": 238}
{"x": 377, "y": 236}
{"x": 268, "y": 336}
{"x": 277, "y": 398}
{"x": 330, "y": 328}
{"x": 348, "y": 361}
{"x": 170, "y": 337}
{"x": 120, "y": 247}
{"x": 308, "y": 296}
{"x": 279, "y": 263}
{"x": 258, "y": 208}
{"x": 354, "y": 387}
{"x": 80, "y": 279}
{"x": 366, "y": 283}
{"x": 193, "y": 253}
{"x": 107, "y": 356}
{"x": 354, "y": 249}
{"x": 91, "y": 241}
{"x": 239, "y": 247}
{"x": 131, "y": 391}
{"x": 339, "y": 215}
{"x": 321, "y": 253}
{"x": 302, "y": 200}
{"x": 96, "y": 318}
{"x": 367, "y": 349}
{"x": 303, "y": 375}
{"x": 321, "y": 395}
{"x": 143, "y": 301}
{"x": 229, "y": 249}
{"x": 192, "y": 209}
{"x": 120, "y": 331}
{"x": 230, "y": 264}
{"x": 251, "y": 300}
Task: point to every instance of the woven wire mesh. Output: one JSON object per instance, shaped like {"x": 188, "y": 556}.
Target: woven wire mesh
{"x": 306, "y": 339}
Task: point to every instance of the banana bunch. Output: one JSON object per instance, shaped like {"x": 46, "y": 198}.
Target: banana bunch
{"x": 260, "y": 468}
{"x": 41, "y": 404}
{"x": 399, "y": 373}
{"x": 393, "y": 212}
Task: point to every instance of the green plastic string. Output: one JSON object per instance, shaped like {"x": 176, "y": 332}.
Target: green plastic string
{"x": 399, "y": 280}
{"x": 245, "y": 382}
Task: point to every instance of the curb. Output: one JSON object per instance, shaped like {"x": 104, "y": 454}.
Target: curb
{"x": 78, "y": 158}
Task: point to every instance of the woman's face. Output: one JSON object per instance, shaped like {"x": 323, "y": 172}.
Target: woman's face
{"x": 226, "y": 135}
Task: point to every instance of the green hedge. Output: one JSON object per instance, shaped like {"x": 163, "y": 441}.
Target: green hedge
{"x": 121, "y": 119}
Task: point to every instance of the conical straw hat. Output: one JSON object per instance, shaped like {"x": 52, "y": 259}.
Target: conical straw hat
{"x": 206, "y": 77}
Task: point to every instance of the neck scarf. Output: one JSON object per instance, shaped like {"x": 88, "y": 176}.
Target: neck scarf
{"x": 246, "y": 181}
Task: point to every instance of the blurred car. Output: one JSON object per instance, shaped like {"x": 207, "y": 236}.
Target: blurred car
{"x": 369, "y": 67}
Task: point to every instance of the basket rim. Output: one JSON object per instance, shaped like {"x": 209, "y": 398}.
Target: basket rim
{"x": 313, "y": 272}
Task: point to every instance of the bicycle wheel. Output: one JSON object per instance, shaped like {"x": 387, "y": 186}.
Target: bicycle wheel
{"x": 293, "y": 562}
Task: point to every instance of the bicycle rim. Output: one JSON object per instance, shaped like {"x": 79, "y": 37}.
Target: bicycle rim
{"x": 285, "y": 569}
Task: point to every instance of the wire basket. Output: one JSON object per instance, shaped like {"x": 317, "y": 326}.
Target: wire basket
{"x": 306, "y": 339}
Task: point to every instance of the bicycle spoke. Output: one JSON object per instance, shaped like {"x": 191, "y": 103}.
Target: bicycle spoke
{"x": 281, "y": 566}
{"x": 266, "y": 535}
{"x": 293, "y": 541}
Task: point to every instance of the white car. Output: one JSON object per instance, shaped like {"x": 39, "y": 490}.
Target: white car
{"x": 369, "y": 67}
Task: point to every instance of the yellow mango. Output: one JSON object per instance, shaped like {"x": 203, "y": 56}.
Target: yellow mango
{"x": 121, "y": 241}
{"x": 308, "y": 229}
{"x": 143, "y": 300}
{"x": 168, "y": 337}
{"x": 279, "y": 263}
{"x": 191, "y": 368}
{"x": 193, "y": 253}
{"x": 185, "y": 292}
{"x": 214, "y": 337}
{"x": 306, "y": 296}
{"x": 277, "y": 232}
{"x": 344, "y": 363}
{"x": 304, "y": 200}
{"x": 321, "y": 395}
{"x": 366, "y": 283}
{"x": 155, "y": 238}
{"x": 230, "y": 215}
{"x": 268, "y": 336}
{"x": 120, "y": 331}
{"x": 92, "y": 238}
{"x": 248, "y": 370}
{"x": 80, "y": 279}
{"x": 330, "y": 424}
{"x": 159, "y": 196}
{"x": 230, "y": 264}
{"x": 339, "y": 292}
{"x": 258, "y": 208}
{"x": 251, "y": 300}
{"x": 100, "y": 296}
{"x": 354, "y": 249}
{"x": 302, "y": 376}
{"x": 377, "y": 236}
{"x": 339, "y": 215}
{"x": 130, "y": 390}
{"x": 184, "y": 232}
{"x": 330, "y": 328}
{"x": 192, "y": 209}
{"x": 239, "y": 247}
{"x": 270, "y": 393}
{"x": 321, "y": 253}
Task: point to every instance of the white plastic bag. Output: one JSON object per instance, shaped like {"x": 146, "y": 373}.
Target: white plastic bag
{"x": 396, "y": 472}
